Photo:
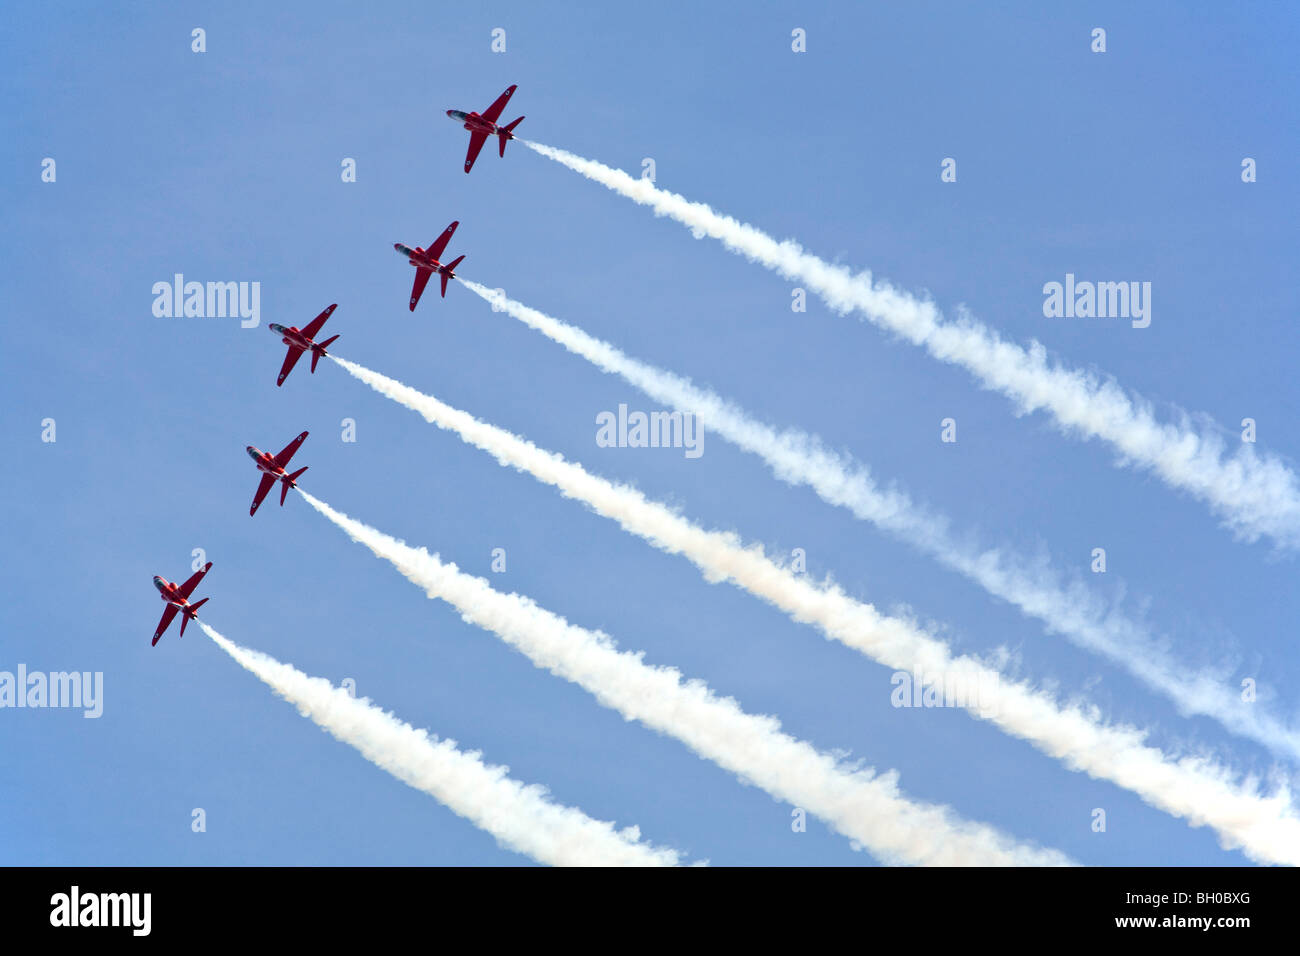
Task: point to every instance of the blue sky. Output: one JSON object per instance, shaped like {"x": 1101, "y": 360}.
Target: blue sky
{"x": 225, "y": 165}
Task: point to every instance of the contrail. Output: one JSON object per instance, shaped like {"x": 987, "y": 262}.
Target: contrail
{"x": 1254, "y": 494}
{"x": 866, "y": 807}
{"x": 1194, "y": 788}
{"x": 799, "y": 458}
{"x": 521, "y": 817}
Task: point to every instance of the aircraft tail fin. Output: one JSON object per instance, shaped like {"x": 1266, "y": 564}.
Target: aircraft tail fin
{"x": 317, "y": 352}
{"x": 504, "y": 134}
{"x": 449, "y": 272}
{"x": 190, "y": 613}
{"x": 193, "y": 612}
{"x": 287, "y": 482}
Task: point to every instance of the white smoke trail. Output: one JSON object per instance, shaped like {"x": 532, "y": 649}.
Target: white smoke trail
{"x": 521, "y": 817}
{"x": 863, "y": 806}
{"x": 799, "y": 458}
{"x": 1192, "y": 787}
{"x": 1255, "y": 494}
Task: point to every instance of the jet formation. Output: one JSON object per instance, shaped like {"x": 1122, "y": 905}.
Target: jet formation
{"x": 426, "y": 262}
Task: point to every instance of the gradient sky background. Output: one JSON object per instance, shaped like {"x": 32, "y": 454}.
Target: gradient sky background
{"x": 226, "y": 166}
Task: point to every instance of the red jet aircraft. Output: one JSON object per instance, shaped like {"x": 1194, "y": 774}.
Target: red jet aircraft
{"x": 177, "y": 598}
{"x": 272, "y": 469}
{"x": 482, "y": 125}
{"x": 300, "y": 340}
{"x": 426, "y": 263}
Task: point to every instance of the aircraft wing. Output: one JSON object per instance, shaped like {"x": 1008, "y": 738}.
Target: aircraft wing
{"x": 438, "y": 245}
{"x": 493, "y": 112}
{"x": 290, "y": 361}
{"x": 169, "y": 612}
{"x": 476, "y": 141}
{"x": 262, "y": 488}
{"x": 288, "y": 450}
{"x": 188, "y": 587}
{"x": 421, "y": 280}
{"x": 315, "y": 324}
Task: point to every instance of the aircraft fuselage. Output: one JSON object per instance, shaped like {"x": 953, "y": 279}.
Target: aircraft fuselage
{"x": 477, "y": 124}
{"x": 265, "y": 462}
{"x": 293, "y": 336}
{"x": 420, "y": 259}
{"x": 169, "y": 592}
